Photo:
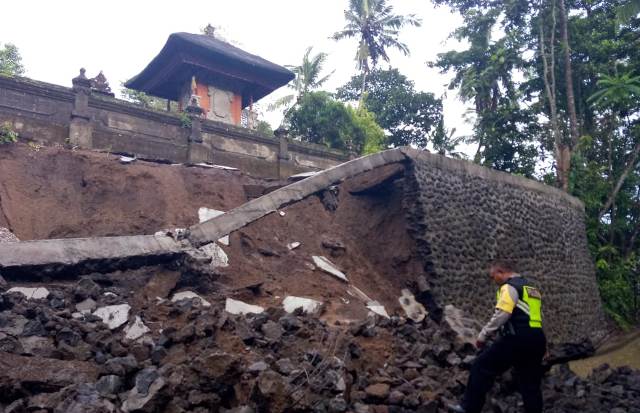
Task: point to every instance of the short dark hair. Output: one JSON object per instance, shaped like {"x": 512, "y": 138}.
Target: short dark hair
{"x": 503, "y": 265}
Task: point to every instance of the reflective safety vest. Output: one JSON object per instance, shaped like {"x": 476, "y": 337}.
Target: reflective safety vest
{"x": 528, "y": 310}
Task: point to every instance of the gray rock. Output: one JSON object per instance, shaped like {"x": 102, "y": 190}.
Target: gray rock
{"x": 272, "y": 331}
{"x": 37, "y": 346}
{"x": 121, "y": 366}
{"x": 396, "y": 397}
{"x": 145, "y": 378}
{"x": 86, "y": 288}
{"x": 108, "y": 385}
{"x": 86, "y": 306}
{"x": 285, "y": 366}
{"x": 33, "y": 328}
{"x": 337, "y": 405}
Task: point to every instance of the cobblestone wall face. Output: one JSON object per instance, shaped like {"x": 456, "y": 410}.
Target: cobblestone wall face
{"x": 462, "y": 217}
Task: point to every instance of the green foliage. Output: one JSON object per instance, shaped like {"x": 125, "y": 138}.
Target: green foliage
{"x": 10, "y": 61}
{"x": 409, "y": 117}
{"x": 7, "y": 134}
{"x": 320, "y": 119}
{"x": 264, "y": 128}
{"x": 146, "y": 101}
{"x": 185, "y": 120}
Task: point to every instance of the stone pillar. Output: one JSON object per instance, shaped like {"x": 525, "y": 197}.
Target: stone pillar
{"x": 80, "y": 128}
{"x": 285, "y": 165}
{"x": 197, "y": 151}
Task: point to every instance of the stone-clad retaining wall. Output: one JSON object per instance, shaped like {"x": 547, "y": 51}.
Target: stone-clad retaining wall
{"x": 54, "y": 114}
{"x": 463, "y": 216}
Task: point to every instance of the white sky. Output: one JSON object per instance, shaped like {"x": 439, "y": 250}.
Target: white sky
{"x": 56, "y": 38}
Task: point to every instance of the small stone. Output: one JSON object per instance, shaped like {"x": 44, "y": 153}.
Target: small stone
{"x": 86, "y": 306}
{"x": 272, "y": 331}
{"x": 293, "y": 245}
{"x": 396, "y": 397}
{"x": 258, "y": 367}
{"x": 121, "y": 366}
{"x": 108, "y": 385}
{"x": 285, "y": 366}
{"x": 378, "y": 391}
{"x": 86, "y": 288}
{"x": 337, "y": 405}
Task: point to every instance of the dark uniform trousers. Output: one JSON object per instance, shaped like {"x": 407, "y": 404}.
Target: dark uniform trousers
{"x": 524, "y": 352}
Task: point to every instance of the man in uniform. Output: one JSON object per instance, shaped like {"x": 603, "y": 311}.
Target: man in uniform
{"x": 521, "y": 343}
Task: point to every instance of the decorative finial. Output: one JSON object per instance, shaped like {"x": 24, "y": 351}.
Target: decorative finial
{"x": 209, "y": 30}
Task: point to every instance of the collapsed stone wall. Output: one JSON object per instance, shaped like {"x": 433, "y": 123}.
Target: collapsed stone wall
{"x": 463, "y": 216}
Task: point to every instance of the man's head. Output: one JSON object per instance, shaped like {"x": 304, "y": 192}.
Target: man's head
{"x": 500, "y": 271}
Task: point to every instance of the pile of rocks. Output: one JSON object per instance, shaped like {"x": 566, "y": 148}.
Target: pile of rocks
{"x": 91, "y": 347}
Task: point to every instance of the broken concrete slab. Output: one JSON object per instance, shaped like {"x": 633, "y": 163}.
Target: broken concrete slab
{"x": 81, "y": 255}
{"x": 327, "y": 266}
{"x": 188, "y": 295}
{"x": 113, "y": 315}
{"x": 205, "y": 214}
{"x": 308, "y": 305}
{"x": 136, "y": 329}
{"x": 37, "y": 293}
{"x": 377, "y": 308}
{"x": 232, "y": 306}
{"x": 45, "y": 371}
{"x": 243, "y": 215}
{"x": 413, "y": 309}
{"x": 374, "y": 182}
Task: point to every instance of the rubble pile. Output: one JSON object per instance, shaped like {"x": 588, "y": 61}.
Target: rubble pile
{"x": 134, "y": 343}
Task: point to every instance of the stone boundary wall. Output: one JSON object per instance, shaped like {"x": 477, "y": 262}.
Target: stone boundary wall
{"x": 54, "y": 114}
{"x": 463, "y": 216}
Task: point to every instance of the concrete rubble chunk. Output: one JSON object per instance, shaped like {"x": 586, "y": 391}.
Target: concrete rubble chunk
{"x": 205, "y": 214}
{"x": 293, "y": 245}
{"x": 232, "y": 306}
{"x": 37, "y": 293}
{"x": 7, "y": 236}
{"x": 327, "y": 266}
{"x": 219, "y": 258}
{"x": 127, "y": 159}
{"x": 377, "y": 308}
{"x": 136, "y": 329}
{"x": 467, "y": 328}
{"x": 113, "y": 315}
{"x": 187, "y": 295}
{"x": 308, "y": 305}
{"x": 414, "y": 310}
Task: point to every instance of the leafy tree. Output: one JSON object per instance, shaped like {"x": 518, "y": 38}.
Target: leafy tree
{"x": 308, "y": 77}
{"x": 264, "y": 128}
{"x": 560, "y": 78}
{"x": 377, "y": 29}
{"x": 10, "y": 61}
{"x": 320, "y": 119}
{"x": 408, "y": 116}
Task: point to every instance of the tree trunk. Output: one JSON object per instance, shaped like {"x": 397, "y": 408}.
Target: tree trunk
{"x": 363, "y": 89}
{"x": 568, "y": 75}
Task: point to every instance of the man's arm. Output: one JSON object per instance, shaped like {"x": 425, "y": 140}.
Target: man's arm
{"x": 507, "y": 301}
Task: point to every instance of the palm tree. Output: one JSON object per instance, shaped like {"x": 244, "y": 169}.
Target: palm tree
{"x": 377, "y": 28}
{"x": 616, "y": 90}
{"x": 307, "y": 78}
